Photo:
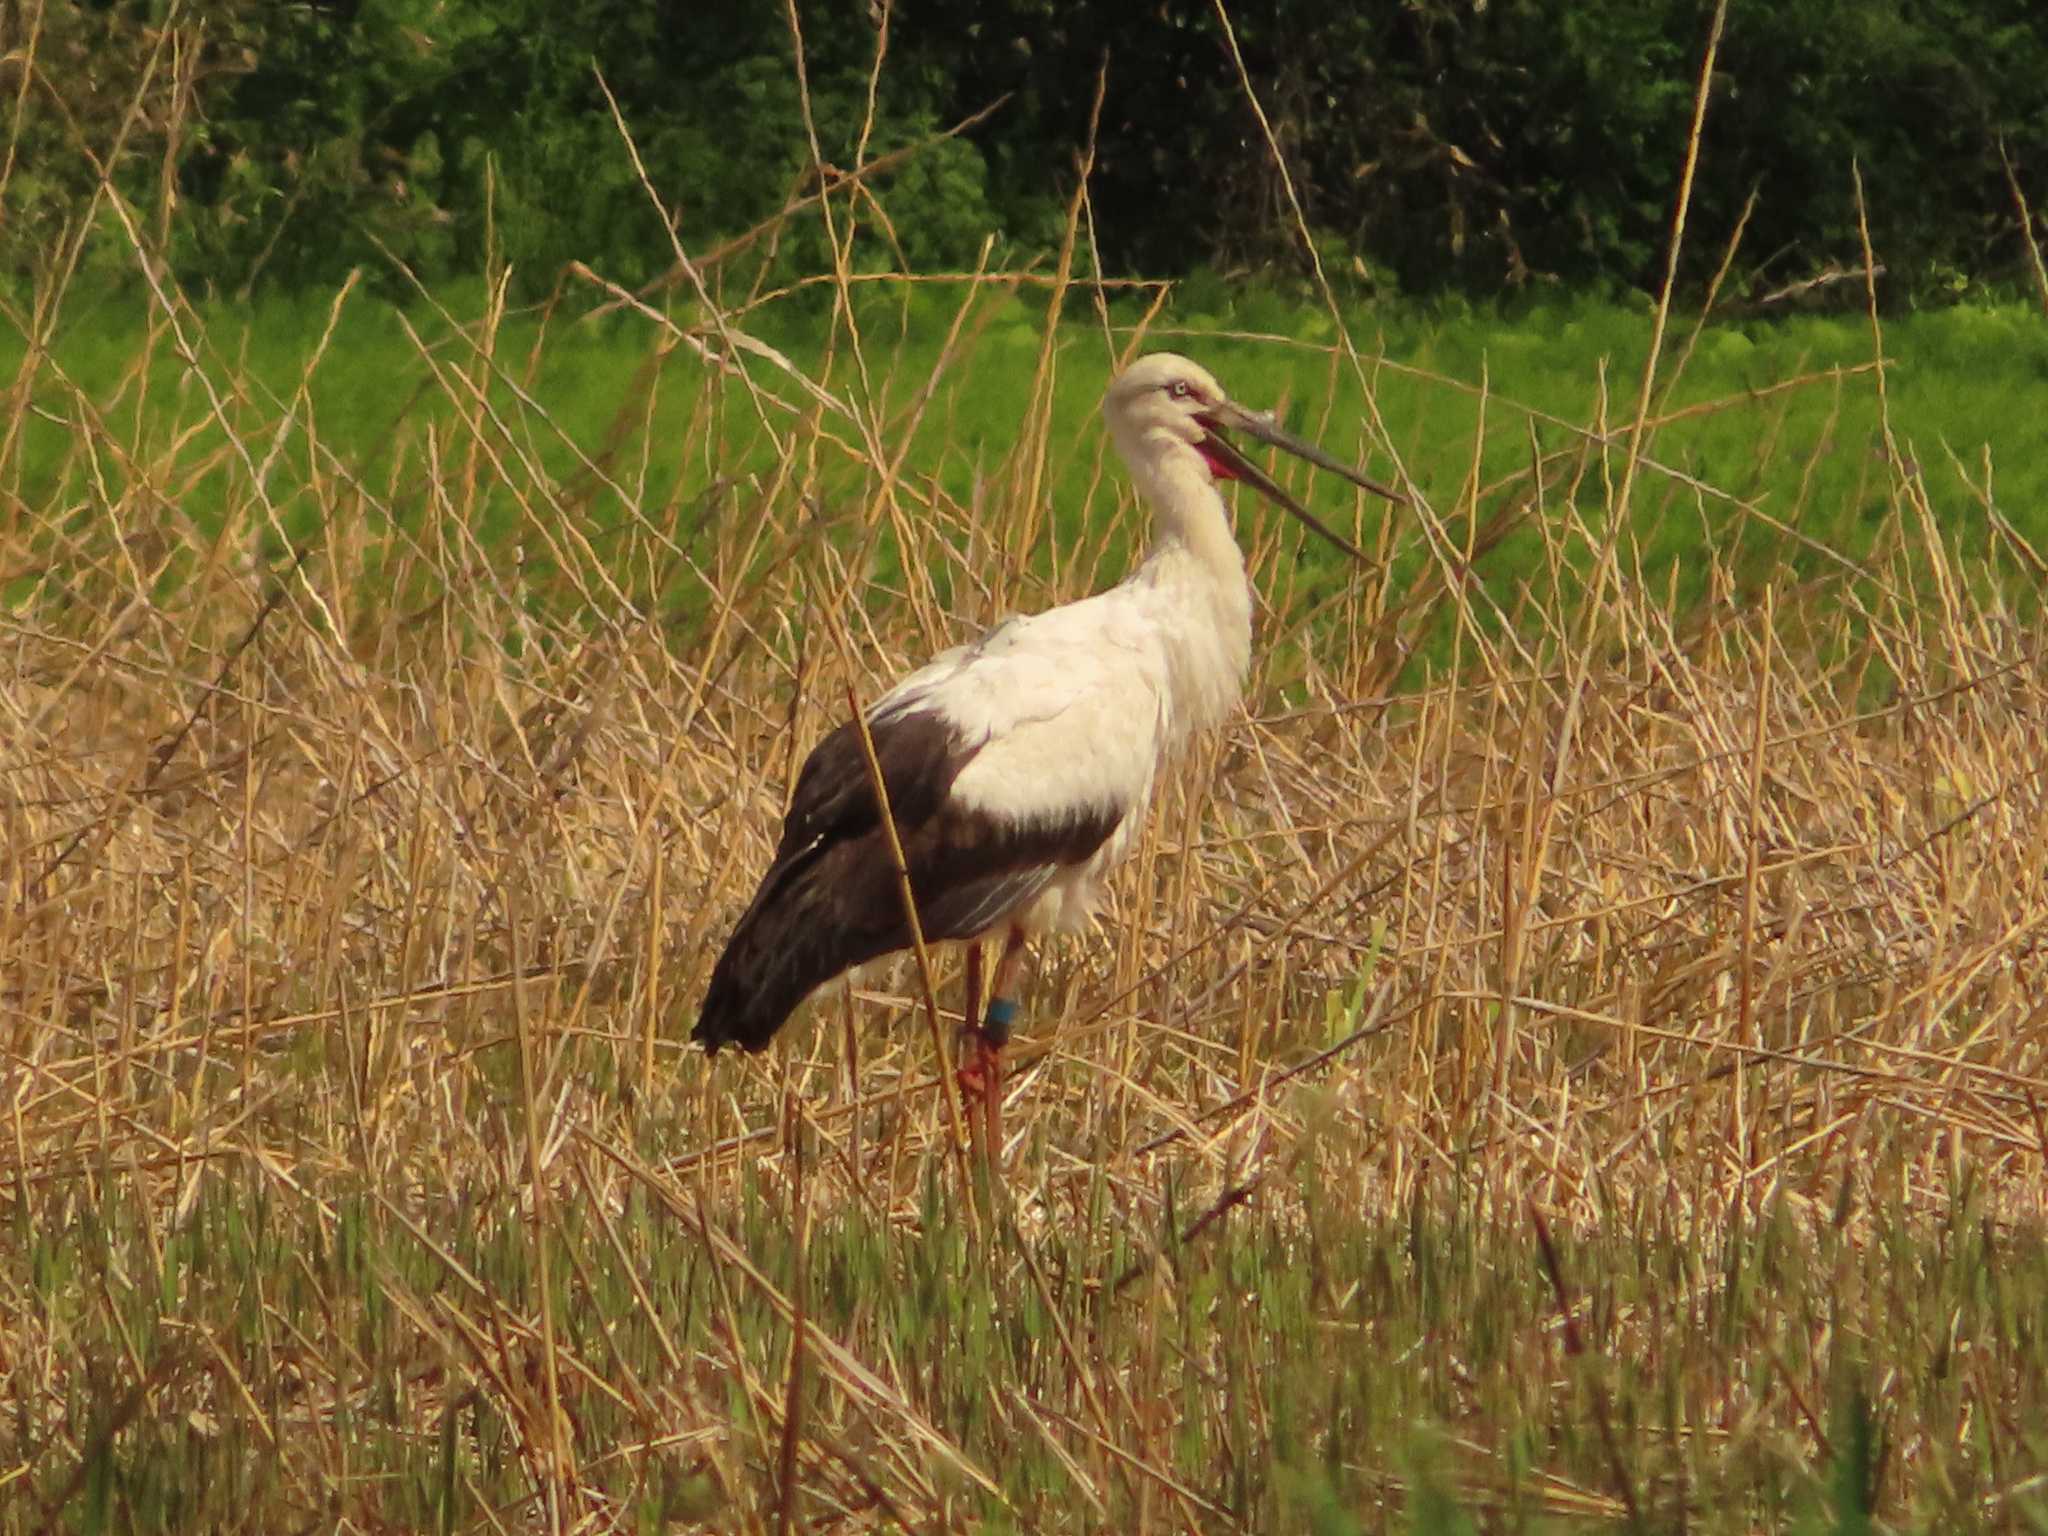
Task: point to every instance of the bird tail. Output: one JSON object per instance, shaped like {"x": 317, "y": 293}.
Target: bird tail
{"x": 742, "y": 1009}
{"x": 783, "y": 949}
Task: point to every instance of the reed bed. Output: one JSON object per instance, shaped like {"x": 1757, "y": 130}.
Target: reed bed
{"x": 1565, "y": 1057}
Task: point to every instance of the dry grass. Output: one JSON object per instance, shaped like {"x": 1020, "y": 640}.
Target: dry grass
{"x": 367, "y": 849}
{"x": 374, "y": 887}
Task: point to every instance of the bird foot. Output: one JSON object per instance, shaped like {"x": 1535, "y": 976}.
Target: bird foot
{"x": 981, "y": 1067}
{"x": 980, "y": 1077}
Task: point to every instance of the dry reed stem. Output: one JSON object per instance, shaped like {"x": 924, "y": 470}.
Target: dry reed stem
{"x": 2038, "y": 269}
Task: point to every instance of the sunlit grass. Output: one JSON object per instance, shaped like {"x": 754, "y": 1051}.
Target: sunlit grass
{"x": 1811, "y": 456}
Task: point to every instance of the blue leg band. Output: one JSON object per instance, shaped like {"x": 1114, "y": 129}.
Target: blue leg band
{"x": 1002, "y": 1013}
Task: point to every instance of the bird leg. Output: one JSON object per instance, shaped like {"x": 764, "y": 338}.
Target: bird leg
{"x": 977, "y": 1071}
{"x": 970, "y": 1010}
{"x": 981, "y": 1069}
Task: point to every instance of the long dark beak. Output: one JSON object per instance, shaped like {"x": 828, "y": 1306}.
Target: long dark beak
{"x": 1253, "y": 424}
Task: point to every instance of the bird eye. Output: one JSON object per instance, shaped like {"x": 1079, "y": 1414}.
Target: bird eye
{"x": 1180, "y": 389}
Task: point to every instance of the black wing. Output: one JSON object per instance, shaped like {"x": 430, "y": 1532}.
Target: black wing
{"x": 832, "y": 898}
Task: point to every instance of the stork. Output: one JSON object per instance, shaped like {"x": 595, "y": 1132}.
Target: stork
{"x": 1017, "y": 768}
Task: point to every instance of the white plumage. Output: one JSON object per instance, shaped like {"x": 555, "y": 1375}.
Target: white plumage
{"x": 1019, "y": 767}
{"x": 1082, "y": 705}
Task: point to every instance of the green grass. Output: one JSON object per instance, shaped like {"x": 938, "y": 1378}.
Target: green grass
{"x": 1326, "y": 1366}
{"x": 1811, "y": 456}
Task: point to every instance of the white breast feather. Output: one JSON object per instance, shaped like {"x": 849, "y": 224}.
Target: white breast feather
{"x": 1077, "y": 708}
{"x": 1069, "y": 706}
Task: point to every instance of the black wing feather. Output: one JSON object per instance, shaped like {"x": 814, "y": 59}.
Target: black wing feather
{"x": 832, "y": 899}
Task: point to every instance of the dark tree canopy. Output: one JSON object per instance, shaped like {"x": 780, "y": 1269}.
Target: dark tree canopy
{"x": 1470, "y": 144}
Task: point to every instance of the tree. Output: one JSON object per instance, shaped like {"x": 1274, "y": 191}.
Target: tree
{"x": 1469, "y": 144}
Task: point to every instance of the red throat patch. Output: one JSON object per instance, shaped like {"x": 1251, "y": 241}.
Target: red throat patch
{"x": 1219, "y": 467}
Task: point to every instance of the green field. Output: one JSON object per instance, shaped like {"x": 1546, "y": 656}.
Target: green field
{"x": 1571, "y": 1057}
{"x": 1757, "y": 427}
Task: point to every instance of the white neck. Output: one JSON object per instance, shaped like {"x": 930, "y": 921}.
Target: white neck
{"x": 1197, "y": 572}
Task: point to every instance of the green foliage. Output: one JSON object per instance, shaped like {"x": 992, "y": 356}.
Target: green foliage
{"x": 1476, "y": 146}
{"x": 1853, "y": 1477}
{"x": 1431, "y": 144}
{"x": 1384, "y": 1398}
{"x": 98, "y": 95}
{"x": 455, "y": 133}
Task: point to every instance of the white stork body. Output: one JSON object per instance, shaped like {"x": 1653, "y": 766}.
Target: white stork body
{"x": 1082, "y": 705}
{"x": 1018, "y": 768}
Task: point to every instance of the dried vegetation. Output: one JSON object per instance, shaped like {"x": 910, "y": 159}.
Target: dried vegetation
{"x": 1599, "y": 1070}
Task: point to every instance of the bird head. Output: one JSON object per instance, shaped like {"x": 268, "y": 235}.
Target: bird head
{"x": 1164, "y": 404}
{"x": 1164, "y": 401}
